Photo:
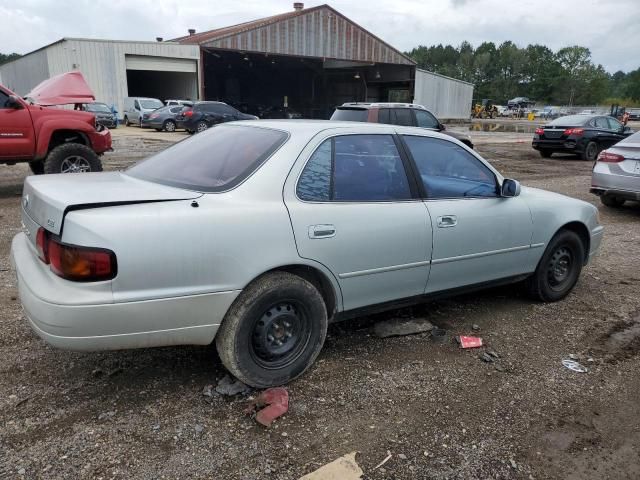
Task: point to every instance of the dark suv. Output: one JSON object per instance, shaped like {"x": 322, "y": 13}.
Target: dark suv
{"x": 205, "y": 114}
{"x": 406, "y": 114}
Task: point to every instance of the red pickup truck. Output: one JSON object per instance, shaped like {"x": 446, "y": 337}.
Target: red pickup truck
{"x": 52, "y": 140}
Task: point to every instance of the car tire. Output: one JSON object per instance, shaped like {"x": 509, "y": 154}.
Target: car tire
{"x": 201, "y": 126}
{"x": 37, "y": 167}
{"x": 559, "y": 268}
{"x": 169, "y": 126}
{"x": 545, "y": 153}
{"x": 190, "y": 132}
{"x": 590, "y": 152}
{"x": 277, "y": 307}
{"x": 611, "y": 201}
{"x": 126, "y": 121}
{"x": 72, "y": 158}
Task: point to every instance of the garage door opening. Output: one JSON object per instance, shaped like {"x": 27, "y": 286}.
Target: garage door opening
{"x": 312, "y": 87}
{"x": 163, "y": 78}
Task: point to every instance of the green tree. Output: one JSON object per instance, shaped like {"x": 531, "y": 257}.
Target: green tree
{"x": 4, "y": 58}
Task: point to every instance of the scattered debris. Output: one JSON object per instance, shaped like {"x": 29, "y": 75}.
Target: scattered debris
{"x": 275, "y": 402}
{"x": 469, "y": 342}
{"x": 344, "y": 468}
{"x": 493, "y": 353}
{"x": 208, "y": 390}
{"x": 485, "y": 357}
{"x": 97, "y": 372}
{"x": 402, "y": 456}
{"x": 439, "y": 335}
{"x": 199, "y": 428}
{"x": 575, "y": 366}
{"x": 475, "y": 327}
{"x": 231, "y": 386}
{"x": 387, "y": 458}
{"x": 401, "y": 326}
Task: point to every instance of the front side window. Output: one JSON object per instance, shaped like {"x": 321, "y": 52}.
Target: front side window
{"x": 402, "y": 117}
{"x": 425, "y": 119}
{"x": 355, "y": 168}
{"x": 212, "y": 161}
{"x": 151, "y": 104}
{"x": 614, "y": 124}
{"x": 449, "y": 171}
{"x": 4, "y": 98}
{"x": 136, "y": 105}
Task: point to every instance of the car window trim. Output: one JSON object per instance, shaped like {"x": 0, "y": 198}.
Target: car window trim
{"x": 425, "y": 194}
{"x": 415, "y": 196}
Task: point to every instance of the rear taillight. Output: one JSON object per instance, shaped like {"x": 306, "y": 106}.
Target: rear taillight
{"x": 188, "y": 113}
{"x": 574, "y": 131}
{"x": 539, "y": 131}
{"x": 42, "y": 240}
{"x": 610, "y": 157}
{"x": 72, "y": 262}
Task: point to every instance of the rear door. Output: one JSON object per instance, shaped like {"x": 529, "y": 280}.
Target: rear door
{"x": 17, "y": 137}
{"x": 353, "y": 209}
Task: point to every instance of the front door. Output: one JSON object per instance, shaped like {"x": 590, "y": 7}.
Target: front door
{"x": 16, "y": 131}
{"x": 353, "y": 210}
{"x": 478, "y": 236}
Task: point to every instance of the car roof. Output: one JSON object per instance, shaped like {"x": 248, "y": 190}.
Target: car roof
{"x": 368, "y": 105}
{"x": 574, "y": 119}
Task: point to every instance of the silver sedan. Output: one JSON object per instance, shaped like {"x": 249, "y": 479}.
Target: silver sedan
{"x": 256, "y": 235}
{"x": 616, "y": 173}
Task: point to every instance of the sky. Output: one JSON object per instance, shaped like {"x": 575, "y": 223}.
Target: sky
{"x": 609, "y": 28}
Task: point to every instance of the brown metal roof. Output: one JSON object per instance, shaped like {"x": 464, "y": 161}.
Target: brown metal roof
{"x": 319, "y": 31}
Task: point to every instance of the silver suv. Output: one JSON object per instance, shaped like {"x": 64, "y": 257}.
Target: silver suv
{"x": 616, "y": 173}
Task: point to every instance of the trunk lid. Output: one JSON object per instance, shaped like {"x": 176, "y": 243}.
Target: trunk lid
{"x": 47, "y": 198}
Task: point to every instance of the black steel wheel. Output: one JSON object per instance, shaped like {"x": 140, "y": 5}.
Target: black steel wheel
{"x": 273, "y": 331}
{"x": 559, "y": 268}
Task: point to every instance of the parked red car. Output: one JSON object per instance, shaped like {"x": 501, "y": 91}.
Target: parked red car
{"x": 51, "y": 139}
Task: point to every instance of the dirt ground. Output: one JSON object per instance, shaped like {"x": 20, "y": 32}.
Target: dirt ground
{"x": 440, "y": 411}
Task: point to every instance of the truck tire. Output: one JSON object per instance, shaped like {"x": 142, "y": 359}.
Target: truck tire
{"x": 274, "y": 330}
{"x": 72, "y": 158}
{"x": 37, "y": 167}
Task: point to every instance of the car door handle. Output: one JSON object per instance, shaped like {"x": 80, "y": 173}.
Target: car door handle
{"x": 447, "y": 221}
{"x": 322, "y": 231}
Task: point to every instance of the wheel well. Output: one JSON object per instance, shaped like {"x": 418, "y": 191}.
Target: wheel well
{"x": 581, "y": 230}
{"x": 318, "y": 279}
{"x": 60, "y": 137}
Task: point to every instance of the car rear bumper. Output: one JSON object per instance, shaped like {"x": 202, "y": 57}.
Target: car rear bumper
{"x": 100, "y": 141}
{"x": 57, "y": 317}
{"x": 604, "y": 180}
{"x": 561, "y": 145}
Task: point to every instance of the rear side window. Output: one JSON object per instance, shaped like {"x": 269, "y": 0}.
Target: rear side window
{"x": 614, "y": 124}
{"x": 449, "y": 171}
{"x": 402, "y": 117}
{"x": 355, "y": 168}
{"x": 384, "y": 115}
{"x": 601, "y": 122}
{"x": 212, "y": 161}
{"x": 350, "y": 114}
{"x": 175, "y": 109}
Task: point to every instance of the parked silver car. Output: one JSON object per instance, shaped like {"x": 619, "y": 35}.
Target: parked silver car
{"x": 256, "y": 234}
{"x": 616, "y": 173}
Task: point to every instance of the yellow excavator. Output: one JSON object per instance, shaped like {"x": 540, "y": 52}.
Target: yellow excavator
{"x": 486, "y": 109}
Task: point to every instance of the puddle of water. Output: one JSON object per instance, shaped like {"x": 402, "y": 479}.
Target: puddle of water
{"x": 503, "y": 127}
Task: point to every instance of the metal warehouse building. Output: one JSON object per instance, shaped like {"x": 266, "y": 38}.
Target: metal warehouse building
{"x": 308, "y": 59}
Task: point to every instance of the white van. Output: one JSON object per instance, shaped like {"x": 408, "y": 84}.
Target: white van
{"x": 136, "y": 107}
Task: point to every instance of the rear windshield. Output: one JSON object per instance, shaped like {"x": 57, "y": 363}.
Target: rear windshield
{"x": 350, "y": 114}
{"x": 212, "y": 161}
{"x": 570, "y": 120}
{"x": 98, "y": 107}
{"x": 151, "y": 103}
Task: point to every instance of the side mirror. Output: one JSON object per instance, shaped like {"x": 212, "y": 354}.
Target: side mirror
{"x": 441, "y": 127}
{"x": 626, "y": 129}
{"x": 13, "y": 102}
{"x": 510, "y": 188}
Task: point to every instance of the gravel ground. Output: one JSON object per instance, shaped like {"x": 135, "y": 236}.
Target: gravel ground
{"x": 440, "y": 411}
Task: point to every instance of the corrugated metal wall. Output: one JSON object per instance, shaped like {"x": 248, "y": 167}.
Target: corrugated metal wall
{"x": 103, "y": 63}
{"x": 447, "y": 98}
{"x": 320, "y": 33}
{"x": 23, "y": 74}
